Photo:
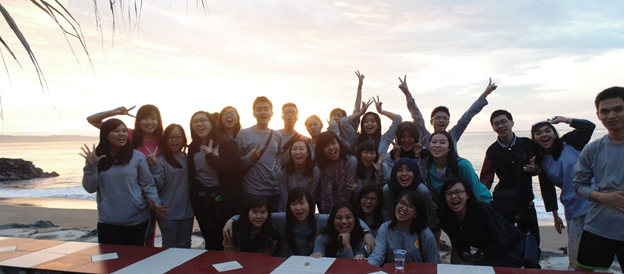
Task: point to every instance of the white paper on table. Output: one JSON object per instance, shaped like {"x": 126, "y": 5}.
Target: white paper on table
{"x": 104, "y": 257}
{"x": 379, "y": 272}
{"x": 8, "y": 248}
{"x": 464, "y": 269}
{"x": 227, "y": 266}
{"x": 297, "y": 264}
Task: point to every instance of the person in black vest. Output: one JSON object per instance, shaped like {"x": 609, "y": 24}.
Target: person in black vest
{"x": 510, "y": 159}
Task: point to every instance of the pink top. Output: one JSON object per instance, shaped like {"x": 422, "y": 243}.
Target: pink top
{"x": 152, "y": 145}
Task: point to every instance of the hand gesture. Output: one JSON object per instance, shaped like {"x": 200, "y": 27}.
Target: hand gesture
{"x": 490, "y": 87}
{"x": 418, "y": 147}
{"x": 351, "y": 184}
{"x": 345, "y": 239}
{"x": 151, "y": 157}
{"x": 316, "y": 255}
{"x": 559, "y": 224}
{"x": 531, "y": 167}
{"x": 162, "y": 210}
{"x": 403, "y": 85}
{"x": 89, "y": 155}
{"x": 396, "y": 150}
{"x": 227, "y": 229}
{"x": 255, "y": 153}
{"x": 207, "y": 149}
{"x": 466, "y": 256}
{"x": 558, "y": 119}
{"x": 378, "y": 105}
{"x": 365, "y": 106}
{"x": 360, "y": 257}
{"x": 124, "y": 111}
{"x": 377, "y": 165}
{"x": 360, "y": 76}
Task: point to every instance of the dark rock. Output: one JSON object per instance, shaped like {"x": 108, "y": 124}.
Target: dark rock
{"x": 43, "y": 224}
{"x": 13, "y": 225}
{"x": 18, "y": 169}
{"x": 91, "y": 233}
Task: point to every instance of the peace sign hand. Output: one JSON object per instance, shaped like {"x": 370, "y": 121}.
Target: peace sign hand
{"x": 418, "y": 147}
{"x": 151, "y": 157}
{"x": 403, "y": 85}
{"x": 207, "y": 149}
{"x": 377, "y": 165}
{"x": 351, "y": 184}
{"x": 90, "y": 156}
{"x": 123, "y": 111}
{"x": 378, "y": 104}
{"x": 360, "y": 76}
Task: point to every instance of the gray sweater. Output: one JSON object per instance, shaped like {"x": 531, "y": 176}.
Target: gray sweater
{"x": 173, "y": 186}
{"x": 389, "y": 239}
{"x": 123, "y": 191}
{"x": 601, "y": 162}
{"x": 261, "y": 178}
{"x": 286, "y": 182}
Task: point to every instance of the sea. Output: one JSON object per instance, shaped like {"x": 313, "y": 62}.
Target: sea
{"x": 61, "y": 154}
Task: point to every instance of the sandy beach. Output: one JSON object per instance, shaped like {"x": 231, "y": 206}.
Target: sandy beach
{"x": 76, "y": 215}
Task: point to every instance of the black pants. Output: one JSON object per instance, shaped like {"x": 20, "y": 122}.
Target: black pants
{"x": 207, "y": 208}
{"x": 122, "y": 235}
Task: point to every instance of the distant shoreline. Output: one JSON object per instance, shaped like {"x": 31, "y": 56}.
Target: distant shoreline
{"x": 50, "y": 138}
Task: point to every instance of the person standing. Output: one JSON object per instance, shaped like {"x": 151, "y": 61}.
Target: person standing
{"x": 290, "y": 115}
{"x": 262, "y": 147}
{"x": 599, "y": 178}
{"x": 510, "y": 159}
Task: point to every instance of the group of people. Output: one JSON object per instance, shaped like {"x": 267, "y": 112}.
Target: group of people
{"x": 256, "y": 189}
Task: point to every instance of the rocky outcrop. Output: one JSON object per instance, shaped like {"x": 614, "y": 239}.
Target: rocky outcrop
{"x": 19, "y": 169}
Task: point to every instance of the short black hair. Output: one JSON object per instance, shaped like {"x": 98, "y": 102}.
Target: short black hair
{"x": 289, "y": 105}
{"x": 261, "y": 99}
{"x": 440, "y": 108}
{"x": 612, "y": 92}
{"x": 499, "y": 113}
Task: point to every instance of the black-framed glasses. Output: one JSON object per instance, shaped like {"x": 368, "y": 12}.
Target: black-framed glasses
{"x": 175, "y": 138}
{"x": 371, "y": 199}
{"x": 409, "y": 207}
{"x": 458, "y": 193}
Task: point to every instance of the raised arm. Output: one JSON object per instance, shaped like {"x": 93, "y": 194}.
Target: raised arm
{"x": 417, "y": 116}
{"x": 473, "y": 110}
{"x": 358, "y": 96}
{"x": 96, "y": 119}
{"x": 380, "y": 110}
{"x": 355, "y": 116}
{"x": 580, "y": 136}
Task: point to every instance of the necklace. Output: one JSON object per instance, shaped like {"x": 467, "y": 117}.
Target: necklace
{"x": 441, "y": 174}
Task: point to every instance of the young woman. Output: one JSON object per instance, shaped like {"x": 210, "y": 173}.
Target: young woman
{"x": 408, "y": 231}
{"x": 224, "y": 156}
{"x": 444, "y": 164}
{"x": 342, "y": 237}
{"x": 148, "y": 128}
{"x": 298, "y": 226}
{"x": 125, "y": 188}
{"x": 337, "y": 168}
{"x": 368, "y": 207}
{"x": 409, "y": 144}
{"x": 471, "y": 223}
{"x": 254, "y": 232}
{"x": 370, "y": 128}
{"x": 171, "y": 178}
{"x": 370, "y": 167}
{"x": 146, "y": 138}
{"x": 314, "y": 125}
{"x": 557, "y": 158}
{"x": 299, "y": 171}
{"x": 205, "y": 191}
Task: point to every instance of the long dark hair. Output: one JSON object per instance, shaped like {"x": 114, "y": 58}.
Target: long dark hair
{"x": 356, "y": 235}
{"x": 445, "y": 214}
{"x": 122, "y": 157}
{"x": 221, "y": 127}
{"x": 323, "y": 141}
{"x": 197, "y": 141}
{"x": 413, "y": 130}
{"x": 241, "y": 230}
{"x": 377, "y": 214}
{"x": 376, "y": 135}
{"x": 420, "y": 222}
{"x": 169, "y": 154}
{"x": 295, "y": 195}
{"x": 557, "y": 146}
{"x": 451, "y": 157}
{"x": 289, "y": 166}
{"x": 393, "y": 184}
{"x": 137, "y": 135}
{"x": 368, "y": 145}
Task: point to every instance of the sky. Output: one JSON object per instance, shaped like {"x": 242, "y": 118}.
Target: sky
{"x": 547, "y": 57}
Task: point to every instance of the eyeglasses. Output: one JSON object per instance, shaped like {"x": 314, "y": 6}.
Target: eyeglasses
{"x": 502, "y": 122}
{"x": 371, "y": 199}
{"x": 440, "y": 118}
{"x": 290, "y": 113}
{"x": 458, "y": 193}
{"x": 175, "y": 138}
{"x": 410, "y": 208}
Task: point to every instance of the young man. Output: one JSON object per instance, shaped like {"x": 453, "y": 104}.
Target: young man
{"x": 510, "y": 159}
{"x": 262, "y": 147}
{"x": 601, "y": 162}
{"x": 290, "y": 115}
{"x": 440, "y": 116}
